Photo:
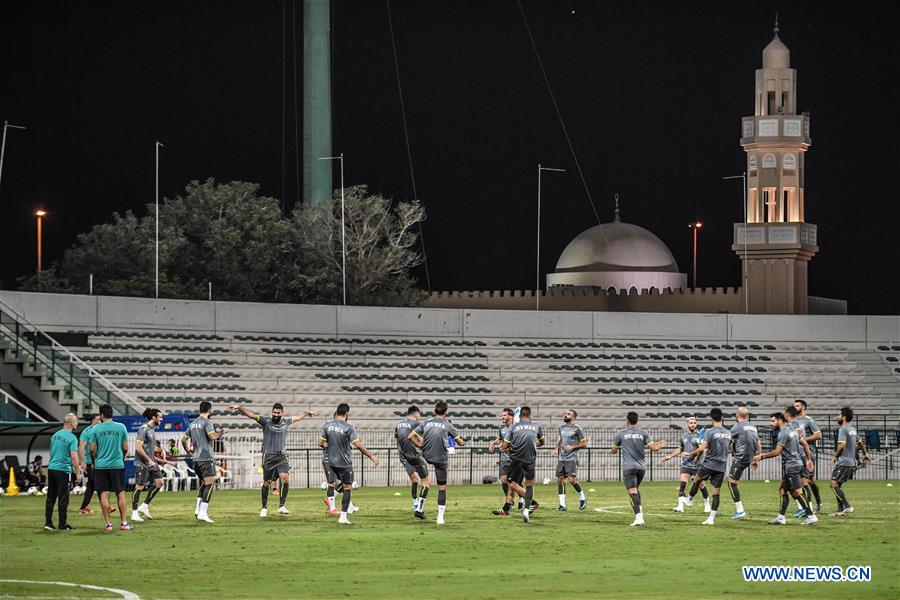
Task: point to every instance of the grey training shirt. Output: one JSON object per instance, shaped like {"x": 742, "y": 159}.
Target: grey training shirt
{"x": 274, "y": 434}
{"x": 570, "y": 435}
{"x": 631, "y": 443}
{"x": 200, "y": 429}
{"x": 434, "y": 433}
{"x": 339, "y": 435}
{"x": 806, "y": 426}
{"x": 791, "y": 455}
{"x": 717, "y": 439}
{"x": 504, "y": 456}
{"x": 405, "y": 446}
{"x": 146, "y": 435}
{"x": 745, "y": 436}
{"x": 689, "y": 443}
{"x": 847, "y": 435}
{"x": 523, "y": 438}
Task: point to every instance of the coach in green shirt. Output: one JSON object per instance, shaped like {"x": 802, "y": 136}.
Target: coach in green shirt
{"x": 109, "y": 445}
{"x": 63, "y": 462}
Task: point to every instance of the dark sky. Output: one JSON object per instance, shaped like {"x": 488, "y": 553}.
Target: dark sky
{"x": 652, "y": 95}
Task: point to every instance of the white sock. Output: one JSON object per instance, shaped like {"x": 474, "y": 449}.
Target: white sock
{"x": 204, "y": 506}
{"x": 525, "y": 512}
{"x": 562, "y": 500}
{"x": 798, "y": 503}
{"x": 422, "y": 504}
{"x": 330, "y": 502}
{"x": 198, "y": 503}
{"x": 739, "y": 506}
{"x": 441, "y": 510}
{"x": 581, "y": 494}
{"x": 712, "y": 514}
{"x": 343, "y": 515}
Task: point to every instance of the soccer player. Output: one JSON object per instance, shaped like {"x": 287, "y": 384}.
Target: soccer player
{"x": 522, "y": 443}
{"x": 571, "y": 440}
{"x": 338, "y": 438}
{"x": 788, "y": 447}
{"x": 506, "y": 421}
{"x": 84, "y": 457}
{"x": 274, "y": 452}
{"x": 688, "y": 442}
{"x": 432, "y": 436}
{"x": 712, "y": 468}
{"x": 109, "y": 446}
{"x": 745, "y": 441}
{"x": 145, "y": 466}
{"x": 63, "y": 462}
{"x": 809, "y": 429}
{"x": 410, "y": 454}
{"x": 200, "y": 434}
{"x": 632, "y": 441}
{"x": 845, "y": 459}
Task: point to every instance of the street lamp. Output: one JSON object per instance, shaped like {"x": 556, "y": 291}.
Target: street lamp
{"x": 537, "y": 284}
{"x": 743, "y": 178}
{"x": 696, "y": 226}
{"x": 40, "y": 214}
{"x": 6, "y": 125}
{"x": 343, "y": 226}
{"x": 158, "y": 146}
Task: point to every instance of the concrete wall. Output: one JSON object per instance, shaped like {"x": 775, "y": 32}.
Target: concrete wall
{"x": 63, "y": 312}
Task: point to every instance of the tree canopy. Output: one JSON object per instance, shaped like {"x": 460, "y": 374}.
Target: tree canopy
{"x": 229, "y": 235}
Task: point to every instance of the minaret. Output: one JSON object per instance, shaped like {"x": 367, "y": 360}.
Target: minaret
{"x": 317, "y": 177}
{"x": 775, "y": 242}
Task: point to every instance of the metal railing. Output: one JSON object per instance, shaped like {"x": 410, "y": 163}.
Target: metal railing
{"x": 14, "y": 408}
{"x": 474, "y": 463}
{"x": 47, "y": 357}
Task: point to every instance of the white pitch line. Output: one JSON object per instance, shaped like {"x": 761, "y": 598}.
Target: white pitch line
{"x": 601, "y": 509}
{"x": 124, "y": 593}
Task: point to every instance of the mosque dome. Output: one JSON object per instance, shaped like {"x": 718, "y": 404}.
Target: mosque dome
{"x": 618, "y": 255}
{"x": 776, "y": 55}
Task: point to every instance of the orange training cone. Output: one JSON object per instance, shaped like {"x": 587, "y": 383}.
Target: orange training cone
{"x": 12, "y": 489}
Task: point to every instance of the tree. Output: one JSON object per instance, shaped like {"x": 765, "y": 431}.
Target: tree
{"x": 238, "y": 240}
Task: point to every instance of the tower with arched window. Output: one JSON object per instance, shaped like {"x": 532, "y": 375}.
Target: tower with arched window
{"x": 775, "y": 243}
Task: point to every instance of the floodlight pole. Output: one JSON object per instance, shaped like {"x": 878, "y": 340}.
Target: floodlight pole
{"x": 537, "y": 282}
{"x": 6, "y": 125}
{"x": 743, "y": 178}
{"x": 343, "y": 226}
{"x": 158, "y": 145}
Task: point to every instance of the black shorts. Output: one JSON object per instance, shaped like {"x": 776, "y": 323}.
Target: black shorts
{"x": 88, "y": 475}
{"x": 737, "y": 469}
{"x": 714, "y": 477}
{"x": 205, "y": 469}
{"x": 440, "y": 473}
{"x": 345, "y": 476}
{"x": 143, "y": 474}
{"x": 632, "y": 477}
{"x": 520, "y": 471}
{"x": 790, "y": 479}
{"x": 689, "y": 470}
{"x": 273, "y": 464}
{"x": 329, "y": 473}
{"x": 842, "y": 473}
{"x": 109, "y": 480}
{"x": 806, "y": 473}
{"x": 504, "y": 469}
{"x": 567, "y": 468}
{"x": 414, "y": 465}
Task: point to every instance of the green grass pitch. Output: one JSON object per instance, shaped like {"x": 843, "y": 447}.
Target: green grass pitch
{"x": 389, "y": 554}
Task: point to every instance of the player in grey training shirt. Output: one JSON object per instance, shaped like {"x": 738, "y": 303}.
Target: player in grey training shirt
{"x": 788, "y": 447}
{"x": 145, "y": 466}
{"x": 745, "y": 444}
{"x": 632, "y": 442}
{"x": 200, "y": 434}
{"x": 432, "y": 436}
{"x": 410, "y": 454}
{"x": 274, "y": 451}
{"x": 845, "y": 459}
{"x": 809, "y": 429}
{"x": 571, "y": 439}
{"x": 715, "y": 443}
{"x": 687, "y": 443}
{"x": 506, "y": 421}
{"x": 339, "y": 438}
{"x": 522, "y": 442}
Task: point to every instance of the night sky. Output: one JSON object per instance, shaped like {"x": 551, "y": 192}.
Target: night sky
{"x": 652, "y": 96}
